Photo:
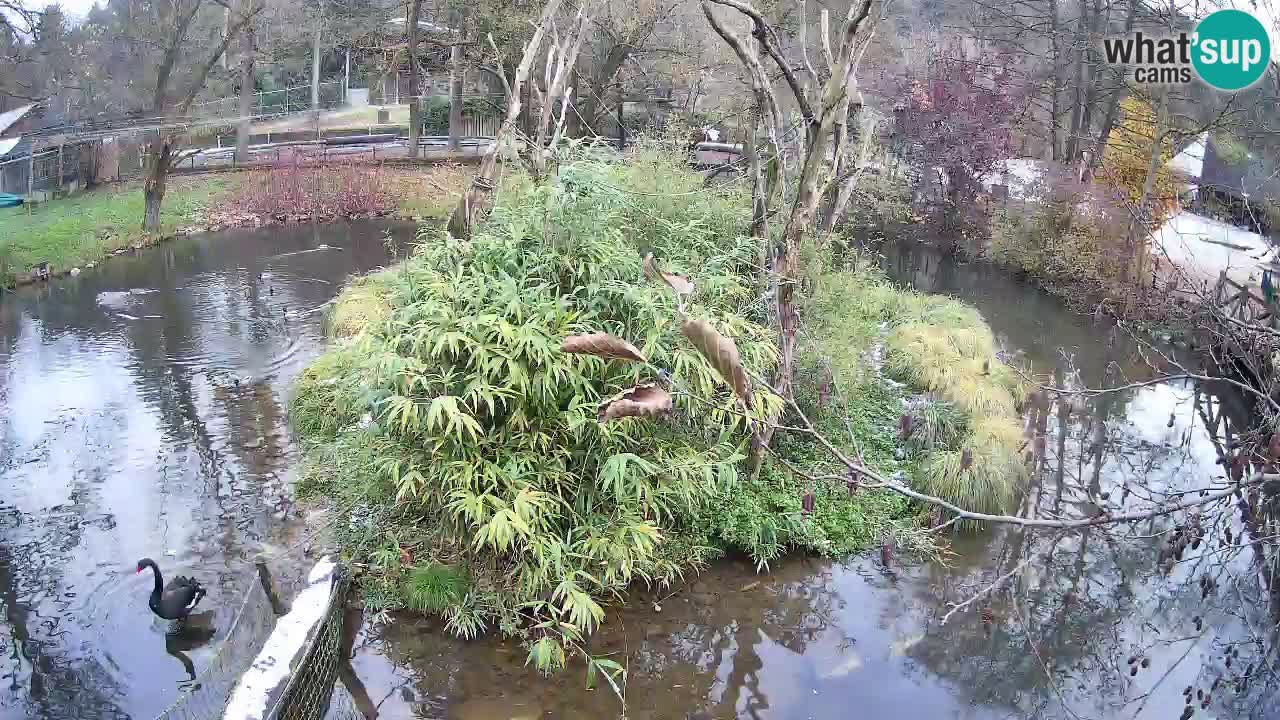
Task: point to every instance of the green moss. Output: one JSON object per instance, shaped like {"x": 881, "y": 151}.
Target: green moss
{"x": 936, "y": 345}
{"x": 362, "y": 304}
{"x": 329, "y": 394}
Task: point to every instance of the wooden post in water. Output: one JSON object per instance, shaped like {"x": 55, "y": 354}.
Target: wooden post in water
{"x": 60, "y": 146}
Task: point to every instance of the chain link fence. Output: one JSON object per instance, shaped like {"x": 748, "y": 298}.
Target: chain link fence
{"x": 309, "y": 690}
{"x": 267, "y": 103}
{"x": 207, "y": 696}
{"x": 51, "y": 170}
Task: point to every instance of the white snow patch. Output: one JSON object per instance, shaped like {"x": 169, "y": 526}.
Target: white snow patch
{"x": 1018, "y": 174}
{"x": 1204, "y": 247}
{"x": 272, "y": 667}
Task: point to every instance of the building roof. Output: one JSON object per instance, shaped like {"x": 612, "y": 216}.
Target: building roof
{"x": 12, "y": 116}
{"x": 423, "y": 24}
{"x": 1250, "y": 174}
{"x": 20, "y": 147}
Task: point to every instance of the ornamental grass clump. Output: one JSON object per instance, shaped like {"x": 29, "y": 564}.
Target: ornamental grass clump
{"x": 518, "y": 481}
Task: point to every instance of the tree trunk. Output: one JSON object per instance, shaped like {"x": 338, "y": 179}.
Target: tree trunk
{"x": 786, "y": 262}
{"x": 1139, "y": 224}
{"x": 1113, "y": 103}
{"x": 844, "y": 194}
{"x": 1085, "y": 133}
{"x": 1054, "y": 109}
{"x": 158, "y": 158}
{"x": 838, "y": 168}
{"x": 759, "y": 192}
{"x": 226, "y": 29}
{"x": 573, "y": 118}
{"x": 415, "y": 101}
{"x": 477, "y": 201}
{"x": 1082, "y": 48}
{"x": 245, "y": 109}
{"x": 455, "y": 98}
{"x": 315, "y": 62}
{"x": 590, "y": 104}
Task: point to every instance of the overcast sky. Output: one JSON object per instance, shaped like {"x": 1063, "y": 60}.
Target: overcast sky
{"x": 1266, "y": 10}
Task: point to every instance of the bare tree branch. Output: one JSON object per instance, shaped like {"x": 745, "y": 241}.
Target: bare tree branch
{"x": 768, "y": 39}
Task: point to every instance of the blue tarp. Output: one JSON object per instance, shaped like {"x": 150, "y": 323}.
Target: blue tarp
{"x": 7, "y": 200}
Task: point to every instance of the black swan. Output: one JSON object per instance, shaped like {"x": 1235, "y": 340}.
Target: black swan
{"x": 175, "y": 600}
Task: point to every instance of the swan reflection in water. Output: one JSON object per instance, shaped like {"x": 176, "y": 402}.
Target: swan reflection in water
{"x": 192, "y": 632}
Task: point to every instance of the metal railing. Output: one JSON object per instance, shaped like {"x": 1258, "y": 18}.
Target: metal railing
{"x": 269, "y": 103}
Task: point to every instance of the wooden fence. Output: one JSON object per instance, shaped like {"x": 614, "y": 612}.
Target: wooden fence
{"x": 1241, "y": 302}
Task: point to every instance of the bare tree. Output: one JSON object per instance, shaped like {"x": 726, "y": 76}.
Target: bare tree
{"x": 18, "y": 23}
{"x": 560, "y": 58}
{"x": 415, "y": 101}
{"x": 176, "y": 21}
{"x": 455, "y": 97}
{"x": 626, "y": 39}
{"x": 819, "y": 117}
{"x": 315, "y": 61}
{"x": 477, "y": 201}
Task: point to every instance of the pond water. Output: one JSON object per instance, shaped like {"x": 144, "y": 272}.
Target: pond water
{"x": 142, "y": 413}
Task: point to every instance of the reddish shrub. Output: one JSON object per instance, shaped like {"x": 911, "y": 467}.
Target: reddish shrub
{"x": 298, "y": 190}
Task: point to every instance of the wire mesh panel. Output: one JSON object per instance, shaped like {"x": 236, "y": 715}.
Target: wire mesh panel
{"x": 308, "y": 693}
{"x": 252, "y": 625}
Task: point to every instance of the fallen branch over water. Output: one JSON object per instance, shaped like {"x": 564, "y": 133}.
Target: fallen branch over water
{"x": 1103, "y": 518}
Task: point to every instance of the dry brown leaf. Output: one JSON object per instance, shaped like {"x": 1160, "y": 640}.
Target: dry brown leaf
{"x": 721, "y": 352}
{"x": 682, "y": 285}
{"x": 602, "y": 345}
{"x": 679, "y": 283}
{"x": 644, "y": 400}
{"x": 650, "y": 266}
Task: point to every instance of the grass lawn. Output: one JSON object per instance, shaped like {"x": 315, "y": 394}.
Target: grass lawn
{"x": 72, "y": 231}
{"x": 345, "y": 119}
{"x": 429, "y": 193}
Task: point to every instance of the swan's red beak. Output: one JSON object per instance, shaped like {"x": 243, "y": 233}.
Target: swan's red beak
{"x": 135, "y": 572}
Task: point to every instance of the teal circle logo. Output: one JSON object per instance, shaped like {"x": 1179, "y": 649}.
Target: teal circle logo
{"x": 1232, "y": 50}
